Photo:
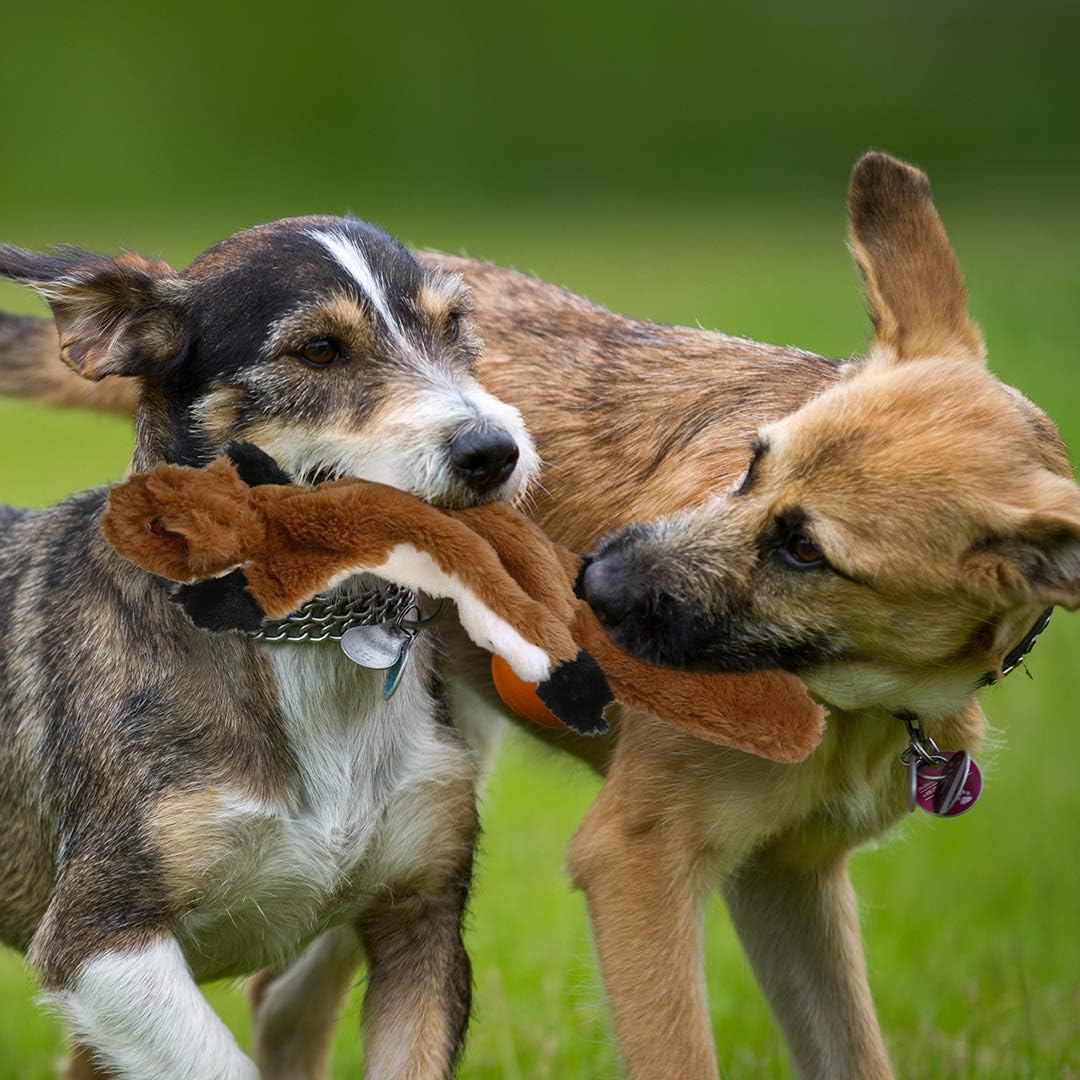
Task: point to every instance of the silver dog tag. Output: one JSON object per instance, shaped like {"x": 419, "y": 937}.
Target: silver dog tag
{"x": 377, "y": 647}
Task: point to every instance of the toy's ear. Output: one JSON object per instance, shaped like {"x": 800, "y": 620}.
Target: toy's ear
{"x": 122, "y": 316}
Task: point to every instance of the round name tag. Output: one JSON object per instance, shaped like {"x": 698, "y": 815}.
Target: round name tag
{"x": 950, "y": 788}
{"x": 378, "y": 647}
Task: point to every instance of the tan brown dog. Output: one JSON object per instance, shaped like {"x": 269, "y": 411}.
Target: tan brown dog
{"x": 893, "y": 532}
{"x": 938, "y": 517}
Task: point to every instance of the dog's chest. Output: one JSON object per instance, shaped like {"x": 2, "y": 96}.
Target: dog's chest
{"x": 850, "y": 789}
{"x": 284, "y": 869}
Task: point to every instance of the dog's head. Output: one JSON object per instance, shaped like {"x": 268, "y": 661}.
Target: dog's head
{"x": 891, "y": 540}
{"x": 319, "y": 339}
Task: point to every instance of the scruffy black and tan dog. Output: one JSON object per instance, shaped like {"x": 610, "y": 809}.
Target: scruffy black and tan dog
{"x": 890, "y": 530}
{"x": 179, "y": 806}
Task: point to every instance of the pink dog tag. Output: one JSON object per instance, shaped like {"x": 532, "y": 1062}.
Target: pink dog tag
{"x": 951, "y": 788}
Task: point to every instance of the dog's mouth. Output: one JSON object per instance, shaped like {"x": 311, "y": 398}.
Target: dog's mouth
{"x": 633, "y": 602}
{"x": 448, "y": 466}
{"x": 708, "y": 646}
{"x": 454, "y": 498}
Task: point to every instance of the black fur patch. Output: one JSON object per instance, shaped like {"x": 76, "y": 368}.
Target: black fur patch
{"x": 255, "y": 466}
{"x": 579, "y": 581}
{"x": 577, "y": 693}
{"x": 665, "y": 632}
{"x": 220, "y": 604}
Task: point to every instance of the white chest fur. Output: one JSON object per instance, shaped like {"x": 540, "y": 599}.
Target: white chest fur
{"x": 360, "y": 814}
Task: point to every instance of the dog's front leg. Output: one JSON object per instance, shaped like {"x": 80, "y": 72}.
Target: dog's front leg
{"x": 800, "y": 928}
{"x": 646, "y": 887}
{"x": 419, "y": 992}
{"x": 140, "y": 1013}
{"x": 295, "y": 1010}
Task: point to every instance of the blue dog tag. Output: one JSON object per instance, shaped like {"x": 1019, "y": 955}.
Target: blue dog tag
{"x": 394, "y": 673}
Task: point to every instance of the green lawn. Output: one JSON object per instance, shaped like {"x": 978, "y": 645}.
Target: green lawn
{"x": 971, "y": 925}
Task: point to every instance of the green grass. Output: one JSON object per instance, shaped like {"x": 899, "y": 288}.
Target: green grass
{"x": 971, "y": 925}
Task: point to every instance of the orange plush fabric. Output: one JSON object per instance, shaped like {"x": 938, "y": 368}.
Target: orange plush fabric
{"x": 512, "y": 586}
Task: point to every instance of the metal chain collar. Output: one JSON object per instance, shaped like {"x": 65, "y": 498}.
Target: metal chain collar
{"x": 328, "y": 618}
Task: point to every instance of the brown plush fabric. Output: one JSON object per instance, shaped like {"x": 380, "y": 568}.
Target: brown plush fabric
{"x": 767, "y": 713}
{"x": 191, "y": 524}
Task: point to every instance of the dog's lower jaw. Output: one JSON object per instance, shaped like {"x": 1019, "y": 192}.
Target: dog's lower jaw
{"x": 929, "y": 694}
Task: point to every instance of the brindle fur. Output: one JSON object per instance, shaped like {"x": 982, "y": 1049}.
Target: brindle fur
{"x": 150, "y": 773}
{"x": 637, "y": 422}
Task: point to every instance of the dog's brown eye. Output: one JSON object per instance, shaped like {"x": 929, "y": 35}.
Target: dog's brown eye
{"x": 319, "y": 353}
{"x": 453, "y": 326}
{"x": 802, "y": 552}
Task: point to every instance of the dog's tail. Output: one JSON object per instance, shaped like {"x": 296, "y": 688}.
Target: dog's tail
{"x": 30, "y": 367}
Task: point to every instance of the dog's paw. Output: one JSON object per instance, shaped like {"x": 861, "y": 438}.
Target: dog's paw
{"x": 222, "y": 603}
{"x": 577, "y": 694}
{"x": 254, "y": 466}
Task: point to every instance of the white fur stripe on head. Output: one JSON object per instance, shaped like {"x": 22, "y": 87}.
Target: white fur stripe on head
{"x": 349, "y": 255}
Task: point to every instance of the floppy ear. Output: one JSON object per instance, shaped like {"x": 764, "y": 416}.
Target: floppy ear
{"x": 1039, "y": 559}
{"x": 914, "y": 288}
{"x": 122, "y": 316}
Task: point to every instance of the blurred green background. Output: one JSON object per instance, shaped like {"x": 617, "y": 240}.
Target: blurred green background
{"x": 683, "y": 162}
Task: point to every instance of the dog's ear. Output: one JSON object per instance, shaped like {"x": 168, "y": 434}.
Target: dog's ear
{"x": 1038, "y": 558}
{"x": 915, "y": 291}
{"x": 122, "y": 316}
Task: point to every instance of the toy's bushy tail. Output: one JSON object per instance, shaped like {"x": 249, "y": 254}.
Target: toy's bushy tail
{"x": 30, "y": 367}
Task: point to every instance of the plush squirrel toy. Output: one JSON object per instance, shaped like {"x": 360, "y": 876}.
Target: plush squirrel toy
{"x": 270, "y": 546}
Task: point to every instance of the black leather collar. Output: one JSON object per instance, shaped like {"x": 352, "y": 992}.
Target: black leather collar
{"x": 1015, "y": 656}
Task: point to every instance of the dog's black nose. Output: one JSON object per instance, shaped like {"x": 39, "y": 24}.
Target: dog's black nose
{"x": 485, "y": 458}
{"x": 606, "y": 590}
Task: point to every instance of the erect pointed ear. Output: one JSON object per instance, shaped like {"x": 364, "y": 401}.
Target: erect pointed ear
{"x": 122, "y": 316}
{"x": 915, "y": 291}
{"x": 1038, "y": 558}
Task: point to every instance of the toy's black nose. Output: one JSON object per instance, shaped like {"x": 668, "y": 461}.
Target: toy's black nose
{"x": 485, "y": 458}
{"x": 606, "y": 590}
